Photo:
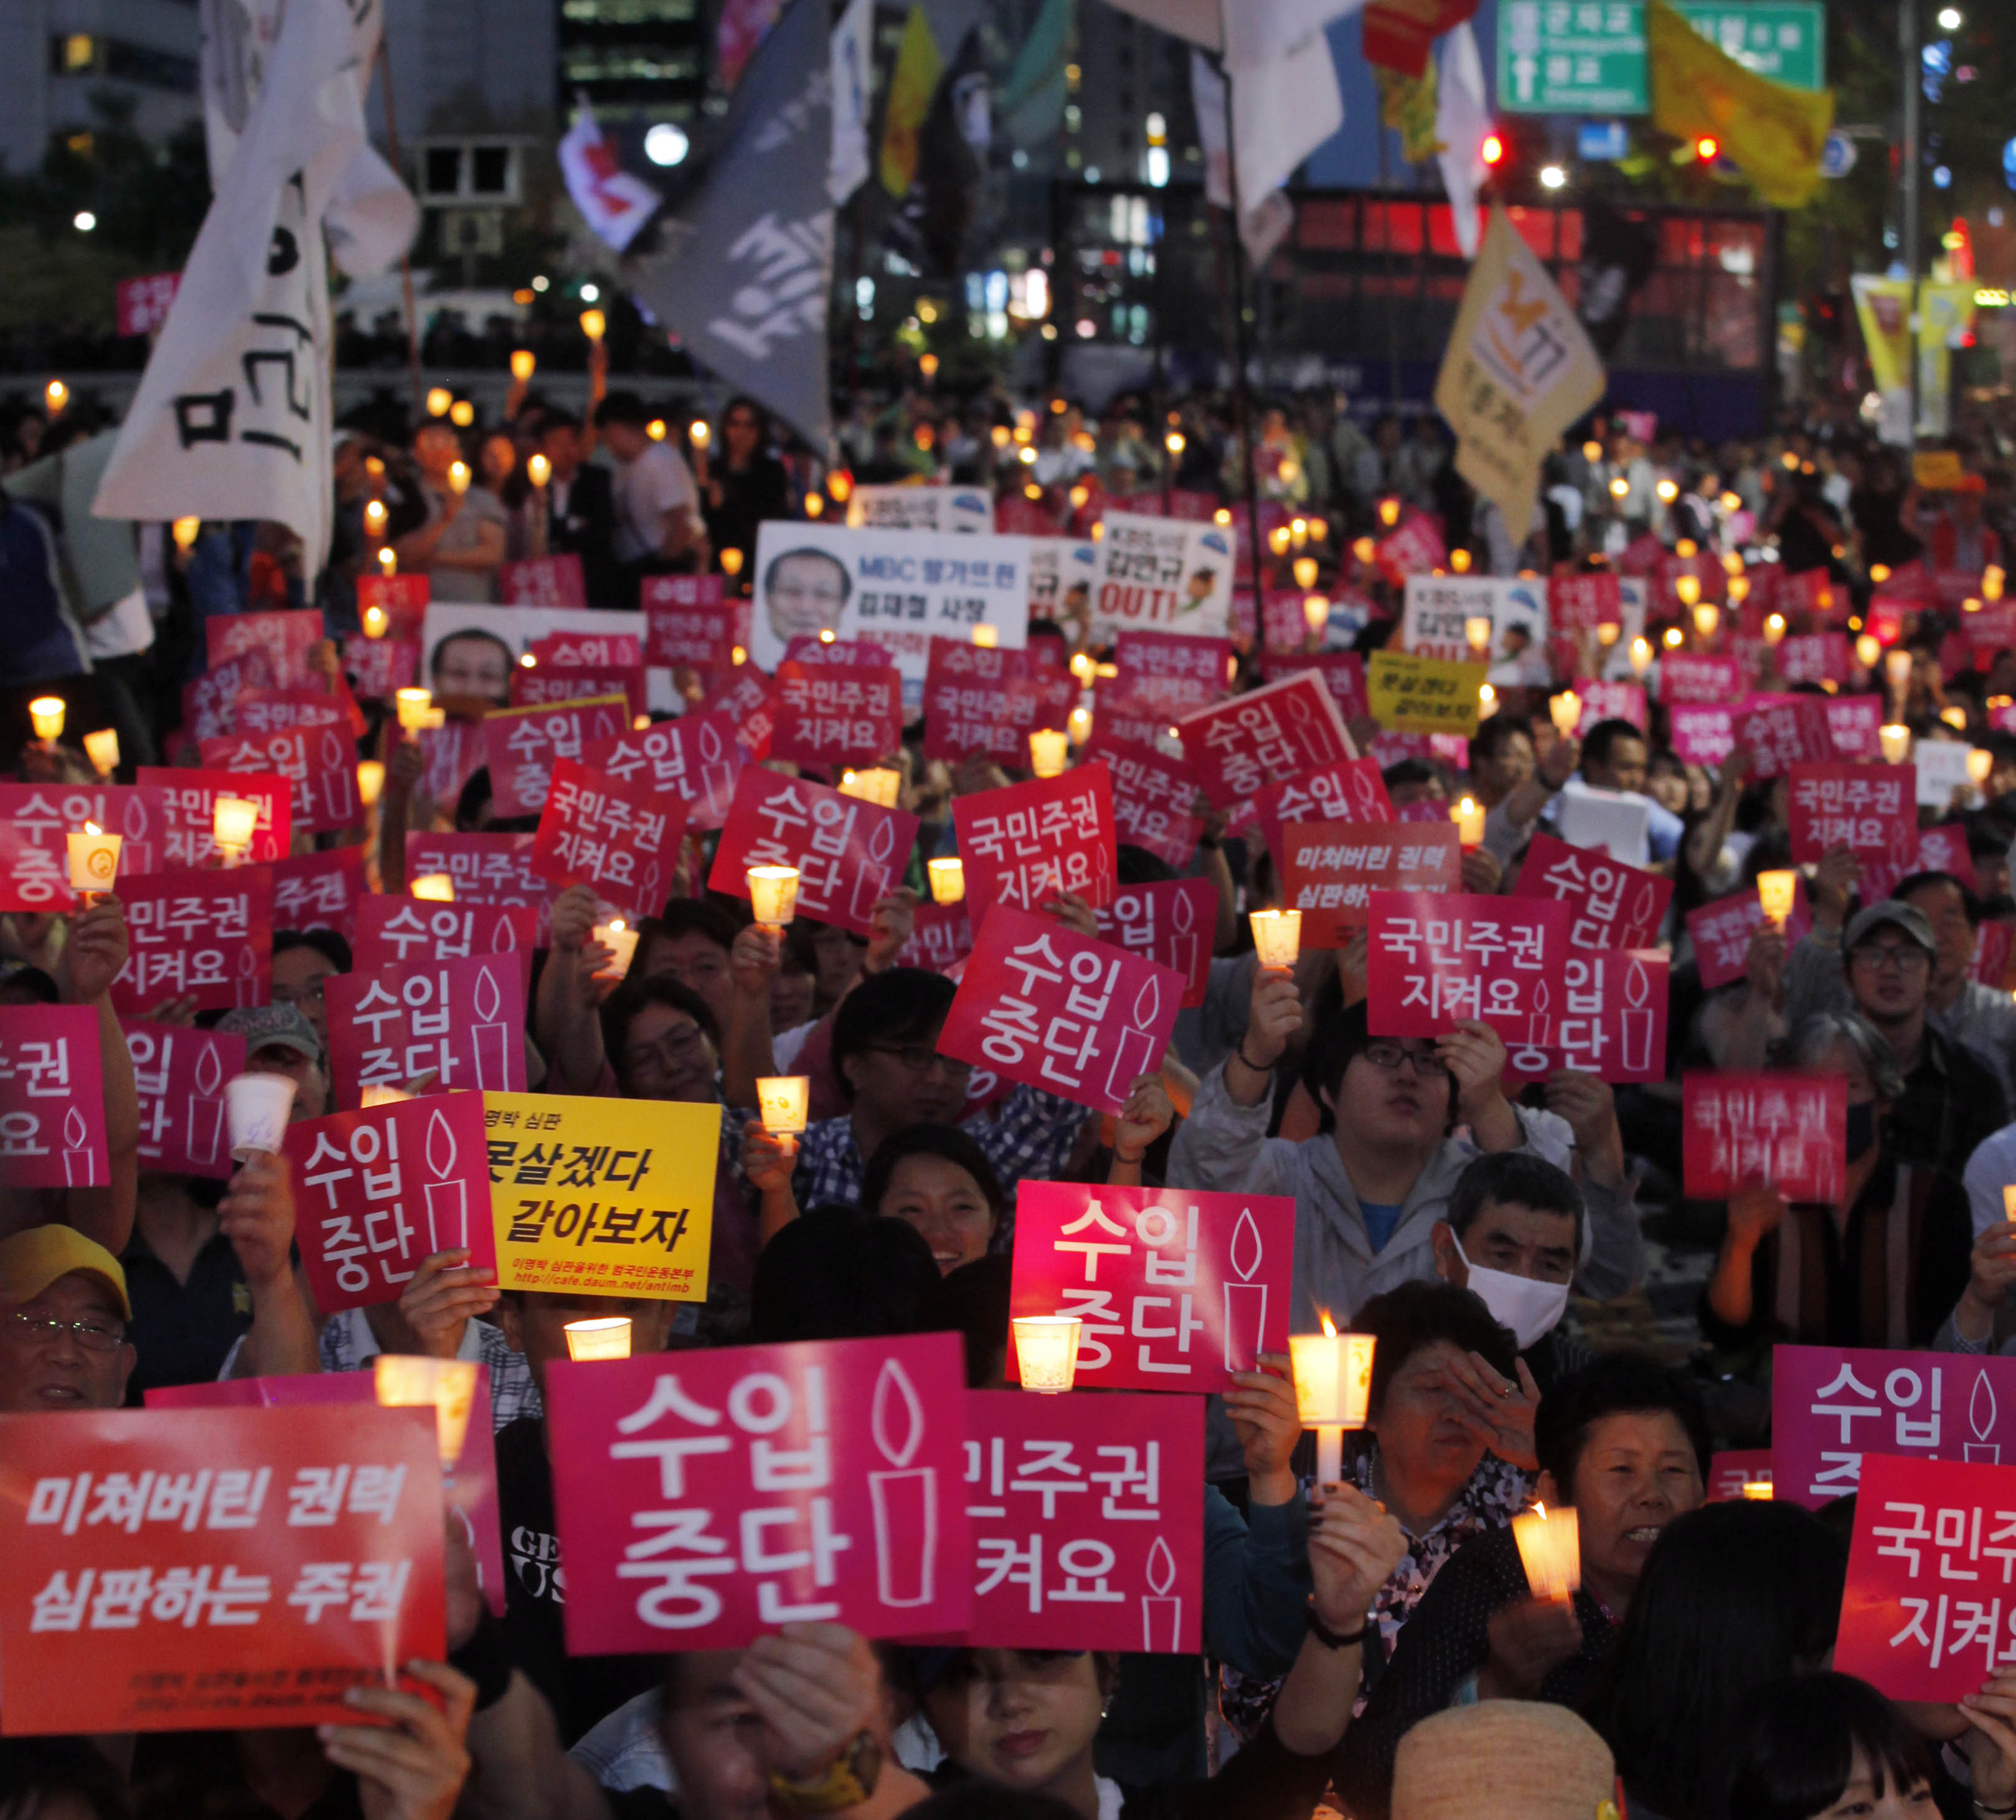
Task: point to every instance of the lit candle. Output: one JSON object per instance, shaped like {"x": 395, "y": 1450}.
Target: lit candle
{"x": 1675, "y": 638}
{"x": 1707, "y": 617}
{"x": 988, "y": 637}
{"x": 731, "y": 565}
{"x": 1477, "y": 629}
{"x": 185, "y": 532}
{"x": 439, "y": 399}
{"x": 606, "y": 1337}
{"x": 388, "y": 562}
{"x": 1688, "y": 588}
{"x": 1049, "y": 747}
{"x": 773, "y": 894}
{"x": 1277, "y": 937}
{"x": 1620, "y": 488}
{"x": 781, "y": 1099}
{"x": 1879, "y": 573}
{"x": 376, "y": 621}
{"x": 101, "y": 748}
{"x": 94, "y": 858}
{"x": 374, "y": 518}
{"x": 523, "y": 361}
{"x": 594, "y": 324}
{"x": 879, "y": 784}
{"x": 538, "y": 471}
{"x": 1606, "y": 635}
{"x": 1305, "y": 571}
{"x": 1487, "y": 701}
{"x": 412, "y": 705}
{"x": 45, "y": 712}
{"x": 621, "y": 940}
{"x": 1046, "y": 1351}
{"x": 2009, "y": 1203}
{"x": 459, "y": 476}
{"x": 948, "y": 878}
{"x": 1868, "y": 651}
{"x": 1549, "y": 1550}
{"x": 697, "y": 433}
{"x": 434, "y": 888}
{"x": 1641, "y": 655}
{"x": 1955, "y": 717}
{"x": 1460, "y": 561}
{"x": 1757, "y": 1490}
{"x": 1079, "y": 725}
{"x": 406, "y": 1381}
{"x": 1739, "y": 589}
{"x": 1774, "y": 629}
{"x": 1389, "y": 513}
{"x": 1897, "y": 668}
{"x": 1333, "y": 1374}
{"x": 1565, "y": 709}
{"x": 1896, "y": 741}
{"x": 1468, "y": 816}
{"x": 1992, "y": 581}
{"x": 230, "y": 825}
{"x": 1979, "y": 764}
{"x": 1315, "y": 614}
{"x": 56, "y": 395}
{"x": 1775, "y": 891}
{"x": 1364, "y": 548}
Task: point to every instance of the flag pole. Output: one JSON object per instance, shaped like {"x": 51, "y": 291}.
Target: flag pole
{"x": 1907, "y": 38}
{"x": 405, "y": 258}
{"x": 1242, "y": 394}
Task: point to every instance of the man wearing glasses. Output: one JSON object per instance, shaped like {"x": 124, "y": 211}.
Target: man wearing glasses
{"x": 63, "y": 1336}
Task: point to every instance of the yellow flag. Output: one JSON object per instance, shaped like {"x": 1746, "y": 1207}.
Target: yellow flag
{"x": 1772, "y": 134}
{"x": 1883, "y": 307}
{"x": 919, "y": 66}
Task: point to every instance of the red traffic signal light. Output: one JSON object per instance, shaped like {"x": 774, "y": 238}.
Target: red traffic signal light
{"x": 1707, "y": 149}
{"x": 1492, "y": 150}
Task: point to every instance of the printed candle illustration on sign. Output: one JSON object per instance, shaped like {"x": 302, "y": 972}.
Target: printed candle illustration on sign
{"x": 905, "y": 1497}
{"x": 1245, "y": 1300}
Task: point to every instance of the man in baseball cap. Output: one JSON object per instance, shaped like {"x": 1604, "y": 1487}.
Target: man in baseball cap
{"x": 279, "y": 1040}
{"x": 63, "y": 1312}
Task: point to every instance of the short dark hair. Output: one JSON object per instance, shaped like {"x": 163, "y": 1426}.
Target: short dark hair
{"x": 552, "y": 418}
{"x": 946, "y": 1141}
{"x": 1512, "y": 1178}
{"x": 1134, "y": 865}
{"x": 973, "y": 1301}
{"x": 686, "y": 916}
{"x": 474, "y": 794}
{"x": 783, "y": 557}
{"x": 1599, "y": 741}
{"x": 836, "y": 1272}
{"x": 1800, "y": 1747}
{"x": 326, "y": 942}
{"x": 1495, "y": 733}
{"x": 1420, "y": 1314}
{"x": 1408, "y": 771}
{"x": 1337, "y": 1041}
{"x": 622, "y": 407}
{"x": 1970, "y": 902}
{"x": 30, "y": 982}
{"x": 631, "y": 997}
{"x": 900, "y": 1004}
{"x": 1626, "y": 1382}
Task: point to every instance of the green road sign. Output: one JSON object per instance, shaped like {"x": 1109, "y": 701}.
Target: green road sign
{"x": 1587, "y": 56}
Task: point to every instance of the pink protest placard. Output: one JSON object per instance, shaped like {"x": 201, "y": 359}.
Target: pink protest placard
{"x": 1281, "y": 731}
{"x": 404, "y": 931}
{"x": 1721, "y": 932}
{"x": 283, "y": 639}
{"x": 696, "y": 757}
{"x": 522, "y": 745}
{"x": 485, "y": 868}
{"x": 1413, "y": 549}
{"x": 1044, "y": 1006}
{"x": 688, "y": 625}
{"x": 259, "y": 711}
{"x": 188, "y": 820}
{"x": 142, "y": 304}
{"x": 1991, "y": 953}
{"x": 403, "y": 599}
{"x": 1809, "y": 591}
{"x": 1941, "y": 849}
{"x": 1730, "y": 1471}
{"x": 380, "y": 667}
{"x": 1788, "y": 1130}
{"x": 1871, "y": 808}
{"x": 1928, "y": 1614}
{"x": 1784, "y": 733}
{"x": 1173, "y": 921}
{"x": 705, "y": 1497}
{"x": 179, "y": 1074}
{"x": 1610, "y": 1021}
{"x": 1819, "y": 656}
{"x": 1702, "y": 734}
{"x": 1342, "y": 674}
{"x": 380, "y": 1191}
{"x": 208, "y": 700}
{"x": 587, "y": 650}
{"x": 1152, "y": 799}
{"x": 1350, "y": 790}
{"x": 206, "y": 934}
{"x": 1434, "y": 960}
{"x": 36, "y": 820}
{"x": 320, "y": 891}
{"x": 1708, "y": 680}
{"x": 1615, "y": 906}
{"x": 1024, "y": 844}
{"x": 1853, "y": 724}
{"x": 848, "y": 853}
{"x": 51, "y": 1098}
{"x": 745, "y": 697}
{"x": 1122, "y": 724}
{"x": 1583, "y": 602}
{"x": 840, "y": 654}
{"x": 1176, "y": 1289}
{"x": 1602, "y": 701}
{"x": 1083, "y": 1531}
{"x": 837, "y": 714}
{"x": 621, "y": 838}
{"x": 543, "y": 581}
{"x": 1172, "y": 672}
{"x": 979, "y": 703}
{"x": 319, "y": 764}
{"x": 940, "y": 936}
{"x": 429, "y": 1028}
{"x": 538, "y": 688}
{"x": 1329, "y": 870}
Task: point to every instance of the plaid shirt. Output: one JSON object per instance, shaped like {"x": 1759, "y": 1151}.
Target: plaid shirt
{"x": 347, "y": 1344}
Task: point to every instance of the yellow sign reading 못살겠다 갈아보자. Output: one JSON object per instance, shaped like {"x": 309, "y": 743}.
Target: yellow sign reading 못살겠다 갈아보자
{"x": 1414, "y": 694}
{"x": 601, "y": 1196}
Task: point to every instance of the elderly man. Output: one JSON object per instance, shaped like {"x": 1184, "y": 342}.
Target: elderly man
{"x": 63, "y": 1336}
{"x": 279, "y": 1040}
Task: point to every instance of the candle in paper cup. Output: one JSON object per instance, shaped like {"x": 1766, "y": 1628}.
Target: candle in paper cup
{"x": 459, "y": 476}
{"x": 1641, "y": 655}
{"x": 45, "y": 712}
{"x": 1774, "y": 627}
{"x": 1305, "y": 571}
{"x": 256, "y": 1108}
{"x": 1477, "y": 629}
{"x": 523, "y": 362}
{"x": 406, "y": 1381}
{"x": 388, "y": 560}
{"x": 594, "y": 324}
{"x": 1897, "y": 668}
{"x": 1468, "y": 816}
{"x": 231, "y": 824}
{"x": 606, "y": 1337}
{"x": 948, "y": 878}
{"x": 1688, "y": 589}
{"x": 1775, "y": 891}
{"x": 1046, "y": 1351}
{"x": 370, "y": 781}
{"x": 435, "y": 886}
{"x": 621, "y": 940}
{"x": 101, "y": 748}
{"x": 782, "y": 1101}
{"x": 1048, "y": 746}
{"x": 1487, "y": 701}
{"x": 1316, "y": 608}
{"x": 1955, "y": 717}
{"x": 1896, "y": 742}
{"x": 1607, "y": 635}
{"x": 2009, "y": 1203}
{"x": 1333, "y": 1373}
{"x": 185, "y": 532}
{"x": 1565, "y": 710}
{"x": 94, "y": 857}
{"x": 376, "y": 621}
{"x": 1758, "y": 1491}
{"x": 1549, "y": 1545}
{"x": 988, "y": 637}
{"x": 1739, "y": 592}
{"x": 1277, "y": 936}
{"x": 773, "y": 894}
{"x": 1707, "y": 617}
{"x": 412, "y": 705}
{"x": 879, "y": 784}
{"x": 378, "y": 1093}
{"x": 538, "y": 471}
{"x": 1868, "y": 651}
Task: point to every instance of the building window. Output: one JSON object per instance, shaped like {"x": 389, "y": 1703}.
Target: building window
{"x": 629, "y": 12}
{"x": 79, "y": 54}
{"x": 631, "y": 63}
{"x": 75, "y": 55}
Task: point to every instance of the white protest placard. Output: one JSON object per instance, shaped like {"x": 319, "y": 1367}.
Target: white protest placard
{"x": 1941, "y": 770}
{"x": 968, "y": 509}
{"x": 1062, "y": 574}
{"x": 1607, "y": 821}
{"x": 1162, "y": 575}
{"x": 1435, "y": 623}
{"x": 490, "y": 641}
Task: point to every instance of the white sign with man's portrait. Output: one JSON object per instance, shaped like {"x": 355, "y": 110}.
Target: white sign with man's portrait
{"x": 471, "y": 650}
{"x": 1435, "y": 623}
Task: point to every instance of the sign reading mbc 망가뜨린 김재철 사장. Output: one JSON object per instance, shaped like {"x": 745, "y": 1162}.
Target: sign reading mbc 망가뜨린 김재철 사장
{"x": 1589, "y": 56}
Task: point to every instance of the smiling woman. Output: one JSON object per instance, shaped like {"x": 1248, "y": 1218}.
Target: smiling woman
{"x": 937, "y": 1179}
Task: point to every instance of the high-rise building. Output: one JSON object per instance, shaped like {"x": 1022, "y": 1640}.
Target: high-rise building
{"x": 468, "y": 66}
{"x": 54, "y": 55}
{"x": 639, "y": 62}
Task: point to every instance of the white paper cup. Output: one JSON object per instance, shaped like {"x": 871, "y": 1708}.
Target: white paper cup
{"x": 256, "y": 1107}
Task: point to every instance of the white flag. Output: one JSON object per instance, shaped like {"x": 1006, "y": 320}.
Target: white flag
{"x": 233, "y": 415}
{"x": 853, "y": 51}
{"x": 1462, "y": 119}
{"x": 614, "y": 204}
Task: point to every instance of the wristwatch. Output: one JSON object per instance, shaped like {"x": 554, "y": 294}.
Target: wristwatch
{"x": 846, "y": 1782}
{"x": 1336, "y": 1639}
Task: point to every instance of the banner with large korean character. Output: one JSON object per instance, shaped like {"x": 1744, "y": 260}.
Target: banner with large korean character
{"x": 542, "y": 686}
{"x": 1044, "y": 1006}
{"x": 1122, "y": 724}
{"x": 601, "y": 1197}
{"x": 940, "y": 937}
{"x": 1176, "y": 673}
{"x": 983, "y": 703}
{"x": 259, "y": 711}
{"x": 1870, "y": 809}
{"x": 1162, "y": 575}
{"x": 1610, "y": 1020}
{"x": 410, "y": 931}
{"x": 1788, "y": 1130}
{"x": 318, "y": 762}
{"x": 1152, "y": 798}
{"x": 849, "y": 854}
{"x": 1237, "y": 747}
{"x": 1820, "y": 656}
{"x": 1940, "y": 850}
{"x": 1615, "y": 906}
{"x": 899, "y": 588}
{"x": 1176, "y": 1289}
{"x": 1174, "y": 922}
{"x": 320, "y": 891}
{"x": 1701, "y": 733}
{"x": 1586, "y": 603}
{"x": 543, "y": 581}
{"x": 1602, "y": 701}
{"x": 831, "y": 715}
{"x": 1855, "y": 724}
{"x": 282, "y": 639}
{"x": 179, "y": 1074}
{"x": 189, "y": 813}
{"x": 378, "y": 667}
{"x": 1436, "y": 960}
{"x": 1410, "y": 693}
{"x": 621, "y": 838}
{"x": 208, "y": 700}
{"x": 1435, "y": 619}
{"x": 51, "y": 1098}
{"x": 1721, "y": 932}
{"x": 705, "y": 1497}
{"x": 1329, "y": 870}
{"x": 192, "y": 1569}
{"x": 429, "y": 1028}
{"x": 208, "y": 935}
{"x": 522, "y": 745}
{"x": 1713, "y": 680}
{"x": 696, "y": 757}
{"x": 486, "y": 869}
{"x": 1086, "y": 1534}
{"x": 687, "y": 624}
{"x": 1783, "y": 733}
{"x": 36, "y": 820}
{"x": 1024, "y": 844}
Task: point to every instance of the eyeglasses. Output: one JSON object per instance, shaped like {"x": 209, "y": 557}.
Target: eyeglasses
{"x": 45, "y": 1330}
{"x": 914, "y": 1058}
{"x": 670, "y": 1050}
{"x": 311, "y": 994}
{"x": 1899, "y": 957}
{"x": 1388, "y": 1056}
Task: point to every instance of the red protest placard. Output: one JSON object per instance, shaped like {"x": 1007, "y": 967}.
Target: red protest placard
{"x": 1122, "y": 724}
{"x": 318, "y": 762}
{"x": 695, "y": 758}
{"x": 179, "y": 1074}
{"x": 1708, "y": 679}
{"x": 1023, "y": 845}
{"x": 621, "y": 838}
{"x": 1152, "y": 797}
{"x": 1603, "y": 701}
{"x": 1788, "y": 1130}
{"x": 1809, "y": 591}
{"x": 51, "y": 1098}
{"x": 522, "y": 745}
{"x": 401, "y": 932}
{"x": 214, "y": 1569}
{"x": 1991, "y": 953}
{"x": 142, "y": 304}
{"x": 1583, "y": 602}
{"x": 1610, "y": 1020}
{"x": 759, "y": 1486}
{"x": 320, "y": 891}
{"x": 188, "y": 805}
{"x": 688, "y": 625}
{"x": 1927, "y": 1614}
{"x": 1172, "y": 672}
{"x": 1342, "y": 674}
{"x": 848, "y": 853}
{"x": 1721, "y": 932}
{"x": 1046, "y": 1006}
{"x": 1853, "y": 724}
{"x": 1351, "y": 790}
{"x": 1081, "y": 1535}
{"x": 587, "y": 650}
{"x": 460, "y": 1022}
{"x": 259, "y": 711}
{"x": 378, "y": 667}
{"x": 1732, "y": 1468}
{"x": 282, "y": 639}
{"x": 1784, "y": 733}
{"x": 1329, "y": 870}
{"x": 380, "y": 1191}
{"x": 1871, "y": 808}
{"x": 1941, "y": 849}
{"x": 207, "y": 699}
{"x": 979, "y": 703}
{"x": 1413, "y": 549}
{"x": 486, "y": 869}
{"x": 940, "y": 937}
{"x": 36, "y": 820}
{"x": 1615, "y": 906}
{"x": 1702, "y": 734}
{"x": 1435, "y": 960}
{"x": 1177, "y": 1289}
{"x": 207, "y": 935}
{"x": 1280, "y": 730}
{"x": 1820, "y": 656}
{"x": 404, "y": 599}
{"x": 543, "y": 581}
{"x": 746, "y": 697}
{"x": 1173, "y": 921}
{"x": 837, "y": 714}
{"x": 840, "y": 654}
{"x": 537, "y": 688}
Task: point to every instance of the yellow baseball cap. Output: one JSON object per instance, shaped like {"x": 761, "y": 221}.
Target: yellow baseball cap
{"x": 32, "y": 1259}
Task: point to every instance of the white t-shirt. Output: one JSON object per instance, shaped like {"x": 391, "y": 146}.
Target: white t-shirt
{"x": 123, "y": 629}
{"x": 649, "y": 491}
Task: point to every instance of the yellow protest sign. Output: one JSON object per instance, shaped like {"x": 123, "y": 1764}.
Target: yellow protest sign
{"x": 1412, "y": 694}
{"x": 601, "y": 1196}
{"x": 1937, "y": 470}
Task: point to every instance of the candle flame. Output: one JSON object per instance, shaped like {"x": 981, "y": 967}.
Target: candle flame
{"x": 92, "y": 827}
{"x": 1329, "y": 1327}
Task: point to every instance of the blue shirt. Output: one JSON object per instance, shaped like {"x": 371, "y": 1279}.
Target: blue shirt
{"x": 1380, "y": 1218}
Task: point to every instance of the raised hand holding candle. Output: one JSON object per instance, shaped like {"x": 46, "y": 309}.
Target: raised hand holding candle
{"x": 1049, "y": 747}
{"x": 407, "y": 1381}
{"x": 1565, "y": 710}
{"x": 1896, "y": 743}
{"x": 782, "y": 1101}
{"x": 94, "y": 858}
{"x": 1333, "y": 1373}
{"x": 45, "y": 714}
{"x": 948, "y": 878}
{"x": 1277, "y": 937}
{"x": 1549, "y": 1549}
{"x": 606, "y": 1337}
{"x": 1468, "y": 816}
{"x": 773, "y": 894}
{"x": 1775, "y": 891}
{"x": 621, "y": 940}
{"x": 413, "y": 705}
{"x": 1046, "y": 1352}
{"x": 101, "y": 748}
